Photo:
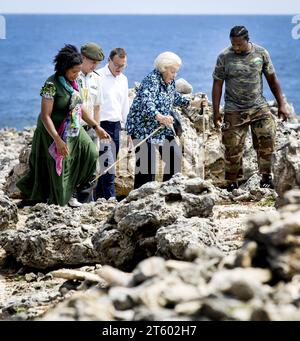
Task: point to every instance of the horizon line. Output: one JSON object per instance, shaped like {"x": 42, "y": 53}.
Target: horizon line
{"x": 158, "y": 14}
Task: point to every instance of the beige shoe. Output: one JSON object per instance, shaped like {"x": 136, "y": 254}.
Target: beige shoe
{"x": 73, "y": 202}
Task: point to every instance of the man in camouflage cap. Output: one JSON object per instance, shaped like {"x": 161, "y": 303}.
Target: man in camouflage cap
{"x": 92, "y": 51}
{"x": 88, "y": 81}
{"x": 92, "y": 97}
{"x": 241, "y": 67}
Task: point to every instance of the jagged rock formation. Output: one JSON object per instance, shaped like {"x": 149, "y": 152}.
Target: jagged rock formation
{"x": 286, "y": 165}
{"x": 122, "y": 234}
{"x": 260, "y": 283}
{"x": 149, "y": 216}
{"x": 8, "y": 213}
{"x": 56, "y": 236}
{"x": 274, "y": 240}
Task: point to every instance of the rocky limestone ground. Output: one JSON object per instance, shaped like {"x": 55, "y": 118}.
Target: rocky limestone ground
{"x": 29, "y": 289}
{"x": 182, "y": 250}
{"x": 259, "y": 282}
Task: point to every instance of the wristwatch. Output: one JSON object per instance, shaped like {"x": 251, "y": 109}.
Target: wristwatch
{"x": 94, "y": 126}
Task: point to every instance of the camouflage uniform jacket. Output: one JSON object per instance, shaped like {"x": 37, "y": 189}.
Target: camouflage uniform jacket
{"x": 242, "y": 74}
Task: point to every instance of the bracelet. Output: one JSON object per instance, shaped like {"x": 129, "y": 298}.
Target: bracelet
{"x": 95, "y": 126}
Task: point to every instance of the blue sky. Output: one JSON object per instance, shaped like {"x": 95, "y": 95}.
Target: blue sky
{"x": 152, "y": 6}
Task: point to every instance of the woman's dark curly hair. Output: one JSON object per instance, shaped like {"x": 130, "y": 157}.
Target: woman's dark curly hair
{"x": 66, "y": 58}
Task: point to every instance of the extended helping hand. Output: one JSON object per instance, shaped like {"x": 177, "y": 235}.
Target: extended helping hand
{"x": 102, "y": 134}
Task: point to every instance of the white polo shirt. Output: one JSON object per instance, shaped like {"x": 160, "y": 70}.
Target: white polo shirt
{"x": 89, "y": 87}
{"x": 115, "y": 106}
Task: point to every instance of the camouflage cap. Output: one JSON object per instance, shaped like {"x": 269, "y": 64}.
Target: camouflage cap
{"x": 92, "y": 51}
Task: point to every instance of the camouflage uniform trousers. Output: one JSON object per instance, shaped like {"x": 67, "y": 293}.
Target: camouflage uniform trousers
{"x": 234, "y": 132}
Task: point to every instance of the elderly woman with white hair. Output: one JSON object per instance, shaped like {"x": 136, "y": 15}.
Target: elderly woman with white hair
{"x": 151, "y": 109}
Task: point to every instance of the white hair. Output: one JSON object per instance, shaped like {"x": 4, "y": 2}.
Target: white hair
{"x": 165, "y": 60}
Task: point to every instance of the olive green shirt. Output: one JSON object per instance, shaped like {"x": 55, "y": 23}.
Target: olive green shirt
{"x": 242, "y": 74}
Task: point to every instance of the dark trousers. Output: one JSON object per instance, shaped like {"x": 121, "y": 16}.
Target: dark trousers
{"x": 145, "y": 166}
{"x": 108, "y": 154}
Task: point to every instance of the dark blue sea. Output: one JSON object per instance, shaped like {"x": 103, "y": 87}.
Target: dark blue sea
{"x": 33, "y": 40}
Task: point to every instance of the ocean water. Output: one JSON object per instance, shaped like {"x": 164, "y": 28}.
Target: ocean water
{"x": 33, "y": 40}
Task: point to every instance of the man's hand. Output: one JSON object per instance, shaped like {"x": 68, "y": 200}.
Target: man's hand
{"x": 282, "y": 113}
{"x": 101, "y": 133}
{"x": 277, "y": 92}
{"x": 217, "y": 119}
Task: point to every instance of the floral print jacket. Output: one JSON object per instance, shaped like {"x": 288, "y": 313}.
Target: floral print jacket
{"x": 153, "y": 97}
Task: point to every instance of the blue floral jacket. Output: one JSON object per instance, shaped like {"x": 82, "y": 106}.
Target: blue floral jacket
{"x": 153, "y": 97}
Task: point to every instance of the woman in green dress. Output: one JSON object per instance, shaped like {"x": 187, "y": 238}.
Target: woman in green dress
{"x": 63, "y": 156}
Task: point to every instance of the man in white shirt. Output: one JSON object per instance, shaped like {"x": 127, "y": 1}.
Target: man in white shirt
{"x": 114, "y": 111}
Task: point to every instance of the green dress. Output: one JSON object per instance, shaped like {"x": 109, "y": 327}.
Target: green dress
{"x": 41, "y": 183}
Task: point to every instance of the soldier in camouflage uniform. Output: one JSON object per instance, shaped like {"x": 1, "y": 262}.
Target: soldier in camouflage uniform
{"x": 241, "y": 67}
